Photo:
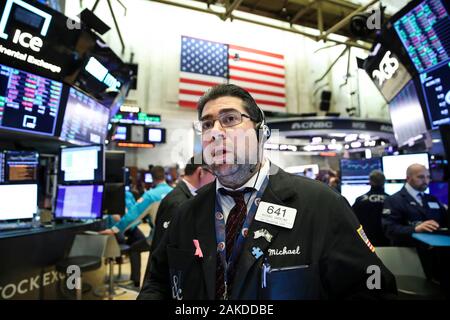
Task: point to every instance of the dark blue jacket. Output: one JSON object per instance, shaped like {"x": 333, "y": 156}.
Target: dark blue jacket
{"x": 324, "y": 255}
{"x": 401, "y": 214}
{"x": 368, "y": 208}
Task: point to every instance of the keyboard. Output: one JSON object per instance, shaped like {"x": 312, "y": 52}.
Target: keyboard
{"x": 15, "y": 226}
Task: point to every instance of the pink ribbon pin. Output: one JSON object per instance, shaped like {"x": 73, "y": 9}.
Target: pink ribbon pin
{"x": 198, "y": 251}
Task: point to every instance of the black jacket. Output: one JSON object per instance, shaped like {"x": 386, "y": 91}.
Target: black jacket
{"x": 327, "y": 253}
{"x": 368, "y": 209}
{"x": 167, "y": 208}
{"x": 402, "y": 213}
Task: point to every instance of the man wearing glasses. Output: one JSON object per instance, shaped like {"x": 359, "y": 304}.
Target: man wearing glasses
{"x": 259, "y": 232}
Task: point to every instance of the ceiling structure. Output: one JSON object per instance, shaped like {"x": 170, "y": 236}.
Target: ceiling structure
{"x": 326, "y": 16}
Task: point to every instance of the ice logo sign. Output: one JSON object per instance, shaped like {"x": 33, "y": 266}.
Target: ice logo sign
{"x": 24, "y": 39}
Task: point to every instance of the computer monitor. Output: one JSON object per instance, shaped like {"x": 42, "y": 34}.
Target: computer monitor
{"x": 18, "y": 201}
{"x": 85, "y": 120}
{"x": 114, "y": 166}
{"x": 440, "y": 191}
{"x": 77, "y": 202}
{"x": 148, "y": 178}
{"x": 358, "y": 170}
{"x": 394, "y": 167}
{"x": 412, "y": 127}
{"x": 120, "y": 133}
{"x": 114, "y": 199}
{"x": 423, "y": 27}
{"x": 28, "y": 103}
{"x": 353, "y": 191}
{"x": 81, "y": 165}
{"x": 156, "y": 135}
{"x": 391, "y": 188}
{"x": 436, "y": 91}
{"x": 20, "y": 166}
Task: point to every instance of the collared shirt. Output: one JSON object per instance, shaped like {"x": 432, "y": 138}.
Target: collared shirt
{"x": 414, "y": 193}
{"x": 191, "y": 188}
{"x": 227, "y": 202}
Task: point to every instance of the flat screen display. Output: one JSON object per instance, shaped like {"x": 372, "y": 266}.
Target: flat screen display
{"x": 156, "y": 135}
{"x": 79, "y": 202}
{"x": 394, "y": 167}
{"x": 424, "y": 31}
{"x": 353, "y": 191}
{"x": 18, "y": 201}
{"x": 85, "y": 120}
{"x": 81, "y": 164}
{"x": 28, "y": 103}
{"x": 436, "y": 90}
{"x": 391, "y": 188}
{"x": 440, "y": 191}
{"x": 21, "y": 166}
{"x": 410, "y": 127}
{"x": 358, "y": 169}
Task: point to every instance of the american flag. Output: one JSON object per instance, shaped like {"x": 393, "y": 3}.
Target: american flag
{"x": 207, "y": 63}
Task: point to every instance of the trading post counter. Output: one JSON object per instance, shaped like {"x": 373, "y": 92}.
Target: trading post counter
{"x": 28, "y": 261}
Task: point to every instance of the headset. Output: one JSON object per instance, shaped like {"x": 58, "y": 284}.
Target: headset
{"x": 263, "y": 126}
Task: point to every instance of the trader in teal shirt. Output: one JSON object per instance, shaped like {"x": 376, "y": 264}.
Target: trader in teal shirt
{"x": 126, "y": 227}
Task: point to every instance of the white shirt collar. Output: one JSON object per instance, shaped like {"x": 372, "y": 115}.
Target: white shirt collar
{"x": 191, "y": 188}
{"x": 252, "y": 183}
{"x": 413, "y": 192}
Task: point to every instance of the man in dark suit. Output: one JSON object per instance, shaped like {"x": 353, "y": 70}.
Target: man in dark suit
{"x": 369, "y": 207}
{"x": 411, "y": 210}
{"x": 259, "y": 232}
{"x": 195, "y": 177}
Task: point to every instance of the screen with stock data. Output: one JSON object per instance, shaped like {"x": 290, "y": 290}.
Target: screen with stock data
{"x": 85, "y": 120}
{"x": 21, "y": 166}
{"x": 436, "y": 90}
{"x": 424, "y": 32}
{"x": 28, "y": 102}
{"x": 358, "y": 169}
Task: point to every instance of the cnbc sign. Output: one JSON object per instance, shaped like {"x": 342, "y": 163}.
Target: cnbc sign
{"x": 19, "y": 44}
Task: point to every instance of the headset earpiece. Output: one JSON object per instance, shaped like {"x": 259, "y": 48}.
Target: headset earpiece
{"x": 263, "y": 126}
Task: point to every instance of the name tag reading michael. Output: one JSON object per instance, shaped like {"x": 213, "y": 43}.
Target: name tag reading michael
{"x": 275, "y": 214}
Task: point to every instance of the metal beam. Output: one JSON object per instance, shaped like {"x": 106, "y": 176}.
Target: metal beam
{"x": 117, "y": 25}
{"x": 332, "y": 65}
{"x": 302, "y": 12}
{"x": 229, "y": 10}
{"x": 344, "y": 21}
{"x": 291, "y": 29}
{"x": 342, "y": 3}
{"x": 320, "y": 17}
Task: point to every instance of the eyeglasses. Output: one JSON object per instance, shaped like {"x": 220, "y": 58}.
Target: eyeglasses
{"x": 226, "y": 120}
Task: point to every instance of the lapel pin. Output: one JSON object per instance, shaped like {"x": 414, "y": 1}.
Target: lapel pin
{"x": 256, "y": 252}
{"x": 263, "y": 233}
{"x": 198, "y": 250}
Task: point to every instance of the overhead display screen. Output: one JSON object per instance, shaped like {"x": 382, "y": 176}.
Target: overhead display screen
{"x": 410, "y": 127}
{"x": 85, "y": 120}
{"x": 436, "y": 89}
{"x": 28, "y": 102}
{"x": 424, "y": 32}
